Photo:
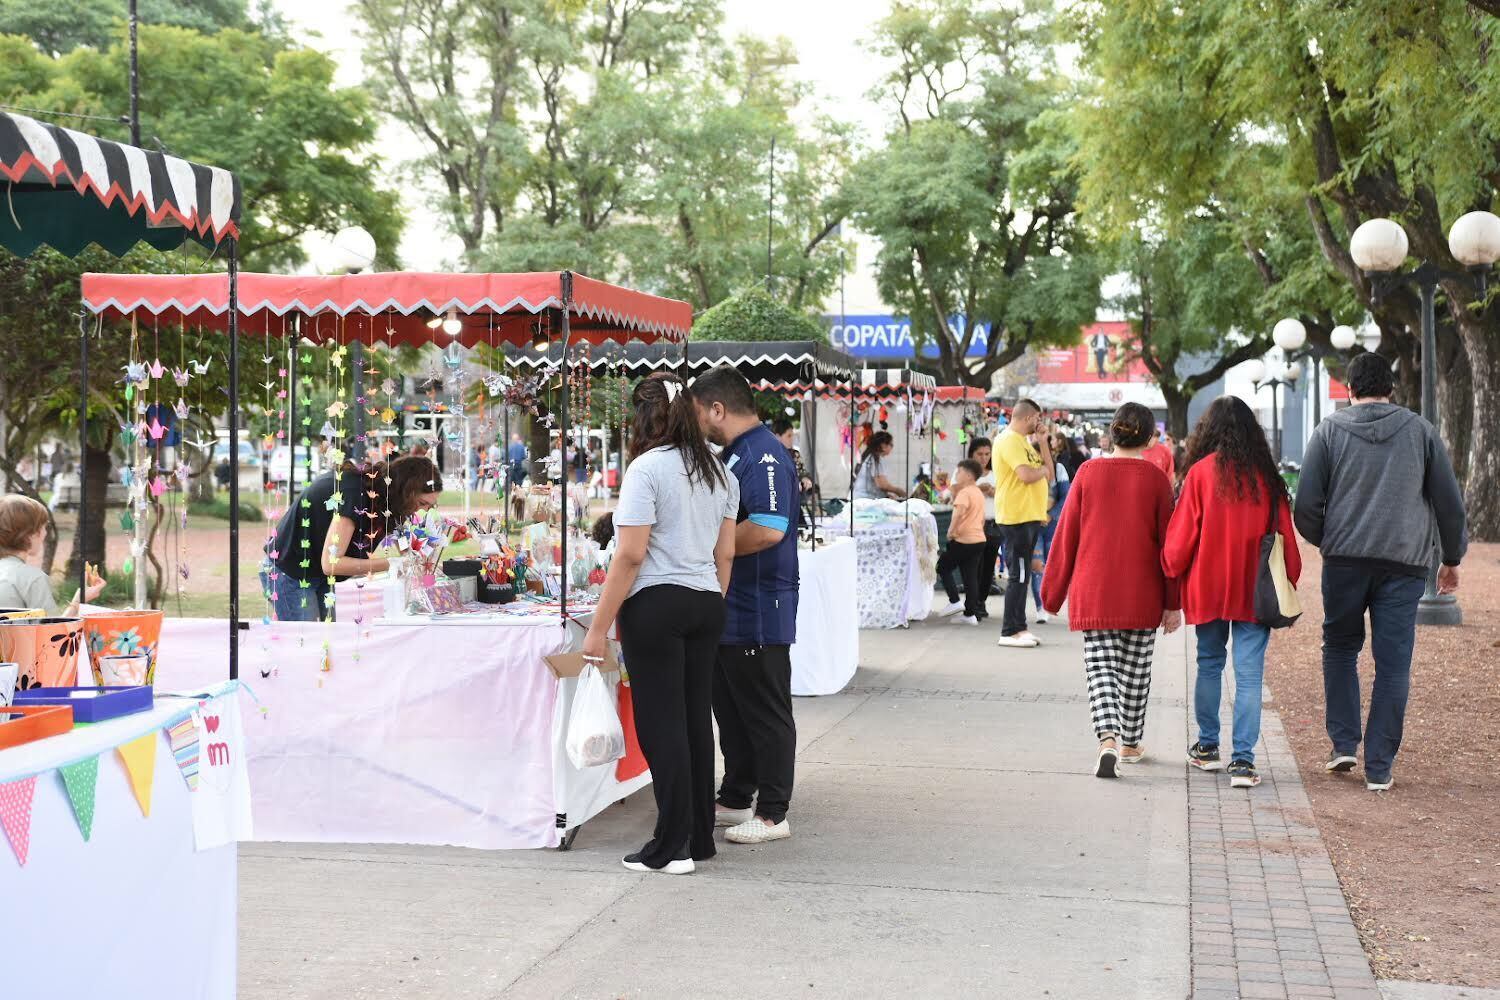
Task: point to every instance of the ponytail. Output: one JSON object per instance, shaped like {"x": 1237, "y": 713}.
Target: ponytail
{"x": 665, "y": 418}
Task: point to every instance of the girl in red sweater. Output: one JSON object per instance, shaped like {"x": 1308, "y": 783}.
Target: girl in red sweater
{"x": 1213, "y": 548}
{"x": 1106, "y": 562}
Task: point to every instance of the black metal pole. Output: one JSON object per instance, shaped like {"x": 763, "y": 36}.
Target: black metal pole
{"x": 504, "y": 484}
{"x": 83, "y": 442}
{"x": 291, "y": 411}
{"x": 853, "y": 453}
{"x": 234, "y": 451}
{"x": 562, "y": 439}
{"x": 135, "y": 80}
{"x": 1433, "y": 608}
{"x": 1276, "y": 418}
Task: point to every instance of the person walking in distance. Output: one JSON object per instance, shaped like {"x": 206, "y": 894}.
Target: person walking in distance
{"x": 981, "y": 452}
{"x": 753, "y": 672}
{"x": 1100, "y": 344}
{"x": 674, "y": 538}
{"x": 1379, "y": 498}
{"x": 1023, "y": 481}
{"x": 1160, "y": 455}
{"x": 965, "y": 546}
{"x": 1106, "y": 563}
{"x": 1230, "y": 495}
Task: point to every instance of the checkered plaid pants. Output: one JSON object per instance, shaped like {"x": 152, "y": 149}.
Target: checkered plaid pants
{"x": 1118, "y": 665}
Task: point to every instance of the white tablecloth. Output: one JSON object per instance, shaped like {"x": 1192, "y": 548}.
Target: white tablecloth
{"x": 826, "y": 652}
{"x": 416, "y": 734}
{"x": 158, "y": 917}
{"x": 896, "y": 574}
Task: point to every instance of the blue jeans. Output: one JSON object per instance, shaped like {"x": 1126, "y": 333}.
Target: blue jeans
{"x": 1043, "y": 552}
{"x": 1250, "y": 642}
{"x": 1391, "y": 599}
{"x": 291, "y": 601}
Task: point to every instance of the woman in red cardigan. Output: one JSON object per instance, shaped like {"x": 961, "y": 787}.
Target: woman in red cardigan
{"x": 1106, "y": 562}
{"x": 1213, "y": 548}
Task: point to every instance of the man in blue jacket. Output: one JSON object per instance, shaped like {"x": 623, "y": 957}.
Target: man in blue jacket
{"x": 753, "y": 674}
{"x": 1378, "y": 497}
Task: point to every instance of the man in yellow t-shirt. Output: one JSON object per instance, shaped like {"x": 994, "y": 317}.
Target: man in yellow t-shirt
{"x": 1023, "y": 482}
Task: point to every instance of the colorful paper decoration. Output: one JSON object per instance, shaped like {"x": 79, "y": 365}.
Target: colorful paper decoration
{"x": 79, "y": 780}
{"x": 139, "y": 758}
{"x": 15, "y": 815}
{"x": 183, "y": 739}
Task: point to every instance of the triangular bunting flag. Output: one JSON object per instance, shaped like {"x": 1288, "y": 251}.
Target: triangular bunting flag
{"x": 139, "y": 758}
{"x": 183, "y": 739}
{"x": 79, "y": 779}
{"x": 15, "y": 814}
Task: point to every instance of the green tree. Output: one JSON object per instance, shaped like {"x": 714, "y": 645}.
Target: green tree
{"x": 61, "y": 27}
{"x": 755, "y": 315}
{"x": 972, "y": 196}
{"x": 1360, "y": 110}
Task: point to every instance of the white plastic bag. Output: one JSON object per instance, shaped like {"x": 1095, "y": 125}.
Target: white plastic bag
{"x": 594, "y": 733}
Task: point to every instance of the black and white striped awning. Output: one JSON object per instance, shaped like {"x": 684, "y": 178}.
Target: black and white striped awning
{"x": 879, "y": 378}
{"x": 67, "y": 189}
{"x": 775, "y": 361}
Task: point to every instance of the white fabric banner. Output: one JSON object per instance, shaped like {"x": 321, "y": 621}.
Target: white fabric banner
{"x": 221, "y": 803}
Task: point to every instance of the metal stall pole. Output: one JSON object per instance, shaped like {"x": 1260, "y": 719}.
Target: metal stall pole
{"x": 357, "y": 354}
{"x": 562, "y": 438}
{"x": 910, "y": 402}
{"x": 83, "y": 440}
{"x": 504, "y": 484}
{"x": 291, "y": 413}
{"x": 234, "y": 450}
{"x": 853, "y": 453}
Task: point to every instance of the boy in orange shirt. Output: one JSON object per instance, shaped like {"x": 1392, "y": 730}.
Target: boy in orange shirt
{"x": 965, "y": 546}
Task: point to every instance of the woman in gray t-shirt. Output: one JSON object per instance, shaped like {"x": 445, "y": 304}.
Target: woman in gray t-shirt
{"x": 674, "y": 546}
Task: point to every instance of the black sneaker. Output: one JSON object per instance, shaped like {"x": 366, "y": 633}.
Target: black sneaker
{"x": 1340, "y": 762}
{"x": 1205, "y": 758}
{"x": 1242, "y": 774}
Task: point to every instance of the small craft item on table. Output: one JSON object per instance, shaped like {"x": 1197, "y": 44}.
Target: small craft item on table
{"x": 28, "y": 723}
{"x": 92, "y": 704}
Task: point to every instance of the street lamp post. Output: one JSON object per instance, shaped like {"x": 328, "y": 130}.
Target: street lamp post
{"x": 1287, "y": 378}
{"x": 1291, "y": 336}
{"x": 1379, "y": 248}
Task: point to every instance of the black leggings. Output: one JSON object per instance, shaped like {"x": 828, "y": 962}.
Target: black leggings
{"x": 670, "y": 638}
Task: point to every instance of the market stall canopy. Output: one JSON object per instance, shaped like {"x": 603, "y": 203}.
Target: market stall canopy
{"x": 867, "y": 382}
{"x": 756, "y": 360}
{"x": 66, "y": 189}
{"x": 958, "y": 394}
{"x": 398, "y": 307}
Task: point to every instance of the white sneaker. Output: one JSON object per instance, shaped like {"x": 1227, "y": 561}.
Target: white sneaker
{"x": 684, "y": 866}
{"x": 754, "y": 831}
{"x": 732, "y": 817}
{"x": 1380, "y": 786}
{"x": 950, "y": 610}
{"x": 1021, "y": 640}
{"x": 966, "y": 620}
{"x": 1041, "y": 618}
{"x": 1032, "y": 636}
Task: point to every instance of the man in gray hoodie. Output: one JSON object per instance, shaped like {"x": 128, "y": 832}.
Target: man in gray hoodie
{"x": 1378, "y": 497}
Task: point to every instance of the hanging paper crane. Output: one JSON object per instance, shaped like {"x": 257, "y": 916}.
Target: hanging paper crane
{"x": 181, "y": 376}
{"x": 200, "y": 367}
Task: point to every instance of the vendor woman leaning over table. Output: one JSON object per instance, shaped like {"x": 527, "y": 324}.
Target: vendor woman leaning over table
{"x": 334, "y": 514}
{"x": 870, "y": 482}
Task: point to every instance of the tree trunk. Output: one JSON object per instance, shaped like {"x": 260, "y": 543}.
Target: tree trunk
{"x": 88, "y": 540}
{"x": 1177, "y": 410}
{"x": 1455, "y": 401}
{"x": 1482, "y": 490}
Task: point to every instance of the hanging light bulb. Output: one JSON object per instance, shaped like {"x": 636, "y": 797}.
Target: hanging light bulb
{"x": 435, "y": 322}
{"x": 452, "y": 326}
{"x": 538, "y": 338}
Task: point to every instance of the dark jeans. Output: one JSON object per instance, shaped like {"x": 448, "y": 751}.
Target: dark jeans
{"x": 963, "y": 557}
{"x": 669, "y": 636}
{"x": 1391, "y": 598}
{"x": 290, "y": 600}
{"x": 1020, "y": 543}
{"x": 989, "y": 557}
{"x": 1044, "y": 550}
{"x": 753, "y": 703}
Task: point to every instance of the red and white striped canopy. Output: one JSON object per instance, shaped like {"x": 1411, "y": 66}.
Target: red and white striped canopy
{"x": 397, "y": 307}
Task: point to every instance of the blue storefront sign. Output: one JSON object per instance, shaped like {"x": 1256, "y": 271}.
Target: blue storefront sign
{"x": 890, "y": 336}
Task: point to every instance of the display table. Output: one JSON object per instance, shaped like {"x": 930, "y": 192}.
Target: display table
{"x": 897, "y": 568}
{"x": 826, "y": 652}
{"x": 157, "y": 915}
{"x": 415, "y": 734}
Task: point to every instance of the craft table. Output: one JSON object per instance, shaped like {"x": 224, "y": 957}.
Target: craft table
{"x": 826, "y": 652}
{"x": 447, "y": 734}
{"x": 897, "y": 568}
{"x": 157, "y": 916}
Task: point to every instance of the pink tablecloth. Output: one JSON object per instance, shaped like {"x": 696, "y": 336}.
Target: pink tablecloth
{"x": 413, "y": 734}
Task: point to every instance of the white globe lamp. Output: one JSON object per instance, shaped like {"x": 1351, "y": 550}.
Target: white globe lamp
{"x": 352, "y": 250}
{"x": 1378, "y": 245}
{"x": 1289, "y": 335}
{"x": 1255, "y": 370}
{"x": 1291, "y": 372}
{"x": 1341, "y": 338}
{"x": 1475, "y": 239}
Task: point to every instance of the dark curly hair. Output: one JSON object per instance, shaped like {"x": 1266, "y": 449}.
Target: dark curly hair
{"x": 1229, "y": 430}
{"x": 665, "y": 418}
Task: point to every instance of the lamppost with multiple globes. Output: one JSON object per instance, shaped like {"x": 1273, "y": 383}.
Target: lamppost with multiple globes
{"x": 1284, "y": 377}
{"x": 1379, "y": 248}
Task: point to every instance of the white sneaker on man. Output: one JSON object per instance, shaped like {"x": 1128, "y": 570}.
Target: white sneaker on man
{"x": 755, "y": 831}
{"x": 966, "y": 620}
{"x": 951, "y": 610}
{"x": 1021, "y": 640}
{"x": 1041, "y": 618}
{"x": 732, "y": 817}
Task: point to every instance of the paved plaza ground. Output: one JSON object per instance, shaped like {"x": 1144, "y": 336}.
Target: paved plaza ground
{"x": 950, "y": 841}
